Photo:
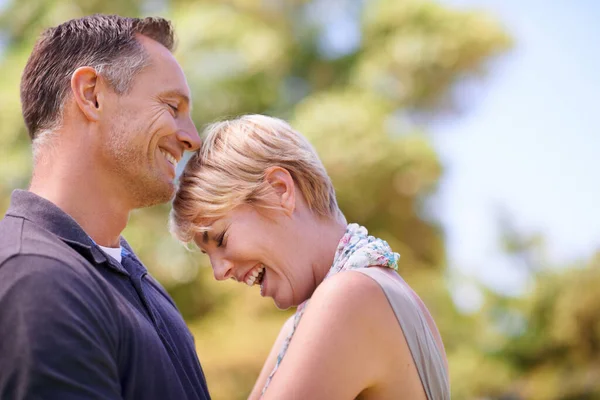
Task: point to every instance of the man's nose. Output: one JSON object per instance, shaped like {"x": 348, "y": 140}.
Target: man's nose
{"x": 188, "y": 135}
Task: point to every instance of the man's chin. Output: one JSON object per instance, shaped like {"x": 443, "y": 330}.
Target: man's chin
{"x": 159, "y": 194}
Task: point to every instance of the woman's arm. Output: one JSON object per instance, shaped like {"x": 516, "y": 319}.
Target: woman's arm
{"x": 271, "y": 359}
{"x": 340, "y": 347}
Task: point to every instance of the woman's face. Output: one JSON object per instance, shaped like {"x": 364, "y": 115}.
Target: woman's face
{"x": 269, "y": 248}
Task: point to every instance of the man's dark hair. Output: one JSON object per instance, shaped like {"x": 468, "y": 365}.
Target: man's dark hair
{"x": 106, "y": 43}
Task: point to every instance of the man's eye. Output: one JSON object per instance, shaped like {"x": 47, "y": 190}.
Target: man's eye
{"x": 174, "y": 108}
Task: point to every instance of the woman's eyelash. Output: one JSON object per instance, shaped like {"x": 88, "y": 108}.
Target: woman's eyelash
{"x": 219, "y": 239}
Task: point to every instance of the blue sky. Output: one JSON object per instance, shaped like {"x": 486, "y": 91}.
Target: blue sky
{"x": 530, "y": 144}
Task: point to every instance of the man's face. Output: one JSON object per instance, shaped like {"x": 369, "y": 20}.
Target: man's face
{"x": 148, "y": 128}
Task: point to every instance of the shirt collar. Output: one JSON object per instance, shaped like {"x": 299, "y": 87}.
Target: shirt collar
{"x": 47, "y": 215}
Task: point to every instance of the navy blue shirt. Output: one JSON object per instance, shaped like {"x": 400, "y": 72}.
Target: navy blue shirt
{"x": 76, "y": 324}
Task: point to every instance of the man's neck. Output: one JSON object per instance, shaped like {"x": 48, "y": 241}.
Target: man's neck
{"x": 81, "y": 191}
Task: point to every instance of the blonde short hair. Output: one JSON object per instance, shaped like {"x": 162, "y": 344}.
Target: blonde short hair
{"x": 229, "y": 170}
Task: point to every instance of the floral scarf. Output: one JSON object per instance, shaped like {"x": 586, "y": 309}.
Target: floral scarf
{"x": 356, "y": 249}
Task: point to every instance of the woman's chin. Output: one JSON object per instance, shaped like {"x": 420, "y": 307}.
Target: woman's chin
{"x": 283, "y": 304}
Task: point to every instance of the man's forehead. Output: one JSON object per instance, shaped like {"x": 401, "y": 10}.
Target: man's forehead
{"x": 152, "y": 46}
{"x": 163, "y": 59}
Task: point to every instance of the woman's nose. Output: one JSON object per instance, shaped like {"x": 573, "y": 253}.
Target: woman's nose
{"x": 222, "y": 269}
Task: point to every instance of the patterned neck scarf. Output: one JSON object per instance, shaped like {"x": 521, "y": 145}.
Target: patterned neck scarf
{"x": 356, "y": 249}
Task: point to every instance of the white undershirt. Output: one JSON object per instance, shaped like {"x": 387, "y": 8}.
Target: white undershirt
{"x": 114, "y": 252}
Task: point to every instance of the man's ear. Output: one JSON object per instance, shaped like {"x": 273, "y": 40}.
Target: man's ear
{"x": 85, "y": 89}
{"x": 283, "y": 186}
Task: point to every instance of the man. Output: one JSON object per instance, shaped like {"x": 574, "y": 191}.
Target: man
{"x": 108, "y": 110}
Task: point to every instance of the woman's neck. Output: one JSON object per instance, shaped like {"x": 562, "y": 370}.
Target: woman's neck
{"x": 329, "y": 232}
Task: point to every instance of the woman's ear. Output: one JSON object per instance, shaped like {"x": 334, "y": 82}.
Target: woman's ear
{"x": 84, "y": 86}
{"x": 283, "y": 186}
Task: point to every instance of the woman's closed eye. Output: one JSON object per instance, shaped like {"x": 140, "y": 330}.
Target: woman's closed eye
{"x": 220, "y": 239}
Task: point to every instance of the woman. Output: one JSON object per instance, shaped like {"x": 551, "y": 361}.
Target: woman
{"x": 257, "y": 199}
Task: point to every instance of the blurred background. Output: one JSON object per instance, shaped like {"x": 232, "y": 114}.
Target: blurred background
{"x": 463, "y": 132}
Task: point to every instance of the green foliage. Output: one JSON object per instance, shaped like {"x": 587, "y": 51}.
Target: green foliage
{"x": 546, "y": 344}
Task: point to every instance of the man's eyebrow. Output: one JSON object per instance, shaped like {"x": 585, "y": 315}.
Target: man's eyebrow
{"x": 179, "y": 94}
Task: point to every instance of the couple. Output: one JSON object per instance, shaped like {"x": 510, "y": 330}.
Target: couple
{"x": 108, "y": 111}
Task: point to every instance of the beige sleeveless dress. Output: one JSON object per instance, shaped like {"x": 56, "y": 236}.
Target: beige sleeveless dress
{"x": 415, "y": 323}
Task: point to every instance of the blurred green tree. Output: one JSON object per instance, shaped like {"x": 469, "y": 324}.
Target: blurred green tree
{"x": 543, "y": 344}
